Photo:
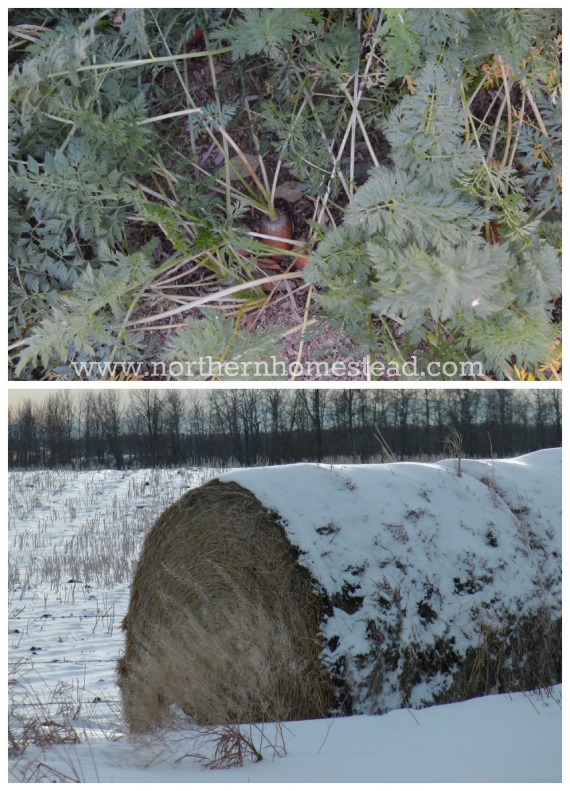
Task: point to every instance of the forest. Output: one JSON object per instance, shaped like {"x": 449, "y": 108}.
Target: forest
{"x": 316, "y": 184}
{"x": 152, "y": 428}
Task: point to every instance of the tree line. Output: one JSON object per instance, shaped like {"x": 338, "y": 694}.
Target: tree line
{"x": 154, "y": 427}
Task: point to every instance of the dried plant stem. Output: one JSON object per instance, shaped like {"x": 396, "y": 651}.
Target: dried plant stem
{"x": 228, "y": 138}
{"x": 356, "y": 97}
{"x": 509, "y": 115}
{"x": 196, "y": 303}
{"x": 477, "y": 89}
{"x": 335, "y": 159}
{"x": 260, "y": 157}
{"x": 362, "y": 126}
{"x": 224, "y": 142}
{"x": 304, "y": 326}
{"x": 535, "y": 110}
{"x": 155, "y": 119}
{"x": 130, "y": 64}
{"x": 519, "y": 127}
{"x": 495, "y": 132}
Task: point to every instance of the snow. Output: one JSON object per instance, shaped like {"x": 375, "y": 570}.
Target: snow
{"x": 74, "y": 539}
{"x": 412, "y": 538}
{"x": 499, "y": 738}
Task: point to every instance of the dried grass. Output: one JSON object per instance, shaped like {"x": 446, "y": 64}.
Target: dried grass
{"x": 44, "y": 729}
{"x": 222, "y": 621}
{"x": 516, "y": 655}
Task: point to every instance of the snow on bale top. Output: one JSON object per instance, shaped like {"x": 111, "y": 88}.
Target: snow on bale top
{"x": 302, "y": 590}
{"x": 426, "y": 569}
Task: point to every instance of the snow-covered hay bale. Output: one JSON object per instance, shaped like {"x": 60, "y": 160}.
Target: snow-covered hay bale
{"x": 293, "y": 591}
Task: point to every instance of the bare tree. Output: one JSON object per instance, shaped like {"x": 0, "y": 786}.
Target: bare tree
{"x": 173, "y": 423}
{"x": 224, "y": 417}
{"x": 315, "y": 407}
{"x": 249, "y": 418}
{"x": 147, "y": 409}
{"x": 58, "y": 416}
{"x": 157, "y": 427}
{"x": 278, "y": 433}
{"x": 555, "y": 402}
{"x": 109, "y": 412}
{"x": 500, "y": 420}
{"x": 402, "y": 403}
{"x": 24, "y": 435}
{"x": 462, "y": 415}
{"x": 540, "y": 418}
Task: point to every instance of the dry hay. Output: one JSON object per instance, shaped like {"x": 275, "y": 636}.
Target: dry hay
{"x": 222, "y": 621}
{"x": 522, "y": 654}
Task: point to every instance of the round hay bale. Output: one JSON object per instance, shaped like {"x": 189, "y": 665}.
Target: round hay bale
{"x": 304, "y": 590}
{"x": 222, "y": 620}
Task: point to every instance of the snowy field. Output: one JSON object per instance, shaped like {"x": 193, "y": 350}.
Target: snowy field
{"x": 74, "y": 539}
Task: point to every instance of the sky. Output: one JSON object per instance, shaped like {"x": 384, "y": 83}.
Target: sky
{"x": 38, "y": 394}
{"x": 16, "y": 395}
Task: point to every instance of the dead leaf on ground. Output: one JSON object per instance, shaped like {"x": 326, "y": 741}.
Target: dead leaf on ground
{"x": 237, "y": 164}
{"x": 289, "y": 191}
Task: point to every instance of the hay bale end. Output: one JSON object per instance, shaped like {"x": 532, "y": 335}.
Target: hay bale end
{"x": 223, "y": 622}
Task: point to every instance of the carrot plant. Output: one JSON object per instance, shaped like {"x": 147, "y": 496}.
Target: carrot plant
{"x": 413, "y": 156}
